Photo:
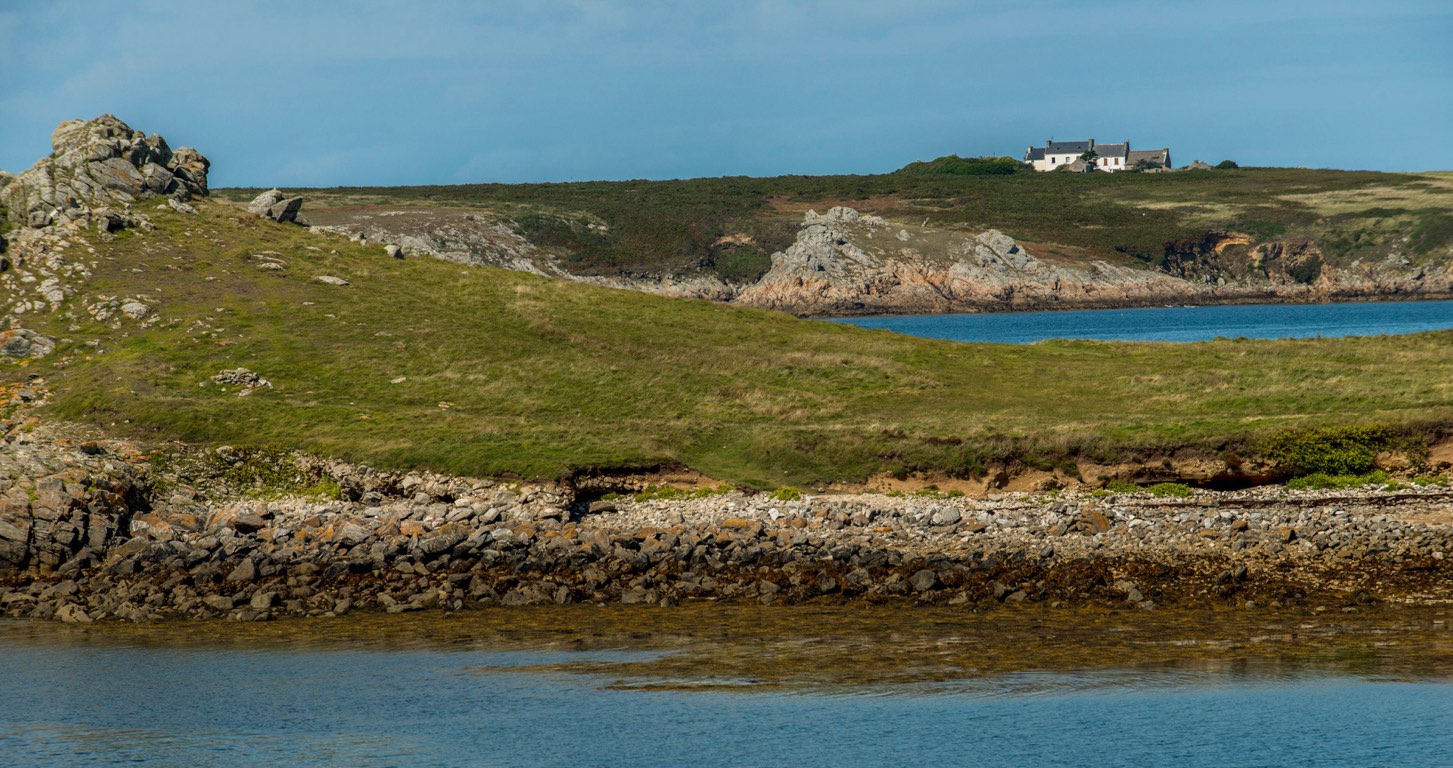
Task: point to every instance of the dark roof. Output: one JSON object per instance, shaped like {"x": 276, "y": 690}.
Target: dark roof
{"x": 1112, "y": 150}
{"x": 1066, "y": 147}
{"x": 1158, "y": 155}
{"x": 1034, "y": 153}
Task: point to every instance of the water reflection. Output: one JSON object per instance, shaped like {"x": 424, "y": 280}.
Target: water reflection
{"x": 711, "y": 685}
{"x": 718, "y": 647}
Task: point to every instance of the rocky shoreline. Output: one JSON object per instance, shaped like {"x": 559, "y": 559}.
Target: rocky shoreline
{"x": 93, "y": 531}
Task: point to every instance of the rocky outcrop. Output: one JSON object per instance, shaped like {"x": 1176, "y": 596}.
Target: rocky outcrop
{"x": 98, "y": 169}
{"x": 274, "y": 205}
{"x": 844, "y": 263}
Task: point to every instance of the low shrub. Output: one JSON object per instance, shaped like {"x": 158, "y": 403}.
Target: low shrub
{"x": 1169, "y": 490}
{"x": 1319, "y": 481}
{"x": 1332, "y": 451}
{"x": 1122, "y": 486}
{"x": 967, "y": 166}
{"x": 787, "y": 493}
{"x": 670, "y": 493}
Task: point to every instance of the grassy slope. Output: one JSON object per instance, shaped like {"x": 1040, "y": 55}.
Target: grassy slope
{"x": 507, "y": 372}
{"x": 673, "y": 226}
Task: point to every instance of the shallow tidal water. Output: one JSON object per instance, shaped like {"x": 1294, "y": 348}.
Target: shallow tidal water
{"x": 711, "y": 685}
{"x": 1253, "y": 321}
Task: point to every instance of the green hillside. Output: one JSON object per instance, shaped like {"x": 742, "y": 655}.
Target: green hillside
{"x": 423, "y": 363}
{"x": 675, "y": 227}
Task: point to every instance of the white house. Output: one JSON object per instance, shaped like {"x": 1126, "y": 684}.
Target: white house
{"x": 1110, "y": 158}
{"x": 1056, "y": 154}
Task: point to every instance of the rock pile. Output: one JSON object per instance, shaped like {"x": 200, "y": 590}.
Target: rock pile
{"x": 241, "y": 377}
{"x": 97, "y": 170}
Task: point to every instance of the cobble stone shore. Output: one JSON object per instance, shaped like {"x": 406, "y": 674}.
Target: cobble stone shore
{"x": 89, "y": 532}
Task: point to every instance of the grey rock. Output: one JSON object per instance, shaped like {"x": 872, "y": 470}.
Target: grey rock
{"x": 265, "y": 201}
{"x": 394, "y": 251}
{"x": 248, "y": 522}
{"x": 22, "y": 342}
{"x": 71, "y": 613}
{"x": 1132, "y": 592}
{"x": 285, "y": 211}
{"x": 438, "y": 544}
{"x": 330, "y": 280}
{"x": 273, "y": 204}
{"x": 11, "y": 530}
{"x": 245, "y": 571}
{"x": 945, "y": 516}
{"x": 924, "y": 580}
{"x": 135, "y": 310}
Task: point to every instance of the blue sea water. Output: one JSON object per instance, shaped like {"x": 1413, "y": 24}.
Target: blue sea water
{"x": 1256, "y": 321}
{"x": 97, "y": 704}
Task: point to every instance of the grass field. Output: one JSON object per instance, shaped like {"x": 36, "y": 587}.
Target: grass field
{"x": 675, "y": 227}
{"x": 422, "y": 363}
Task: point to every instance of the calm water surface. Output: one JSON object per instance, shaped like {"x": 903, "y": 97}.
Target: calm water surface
{"x": 1256, "y": 321}
{"x": 114, "y": 699}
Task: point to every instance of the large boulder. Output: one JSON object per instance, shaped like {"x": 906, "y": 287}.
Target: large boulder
{"x": 274, "y": 205}
{"x": 97, "y": 166}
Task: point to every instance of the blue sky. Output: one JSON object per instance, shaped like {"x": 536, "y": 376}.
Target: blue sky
{"x": 329, "y": 93}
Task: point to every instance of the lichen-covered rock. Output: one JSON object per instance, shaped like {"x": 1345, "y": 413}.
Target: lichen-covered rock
{"x": 97, "y": 169}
